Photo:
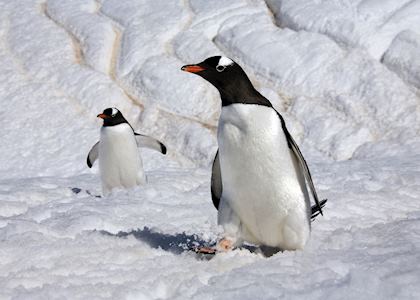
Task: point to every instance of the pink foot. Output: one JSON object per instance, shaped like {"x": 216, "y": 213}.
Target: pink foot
{"x": 205, "y": 250}
{"x": 225, "y": 245}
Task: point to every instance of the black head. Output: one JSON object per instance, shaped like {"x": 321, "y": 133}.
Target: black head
{"x": 112, "y": 116}
{"x": 228, "y": 77}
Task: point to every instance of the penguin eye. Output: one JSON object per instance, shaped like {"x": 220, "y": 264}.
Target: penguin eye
{"x": 220, "y": 68}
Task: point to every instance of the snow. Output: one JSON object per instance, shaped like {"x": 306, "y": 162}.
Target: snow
{"x": 367, "y": 24}
{"x": 401, "y": 57}
{"x": 345, "y": 75}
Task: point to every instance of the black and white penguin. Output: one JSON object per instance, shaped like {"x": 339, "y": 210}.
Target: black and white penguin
{"x": 259, "y": 176}
{"x": 120, "y": 164}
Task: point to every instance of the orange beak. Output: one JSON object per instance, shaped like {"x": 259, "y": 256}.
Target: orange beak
{"x": 103, "y": 116}
{"x": 192, "y": 68}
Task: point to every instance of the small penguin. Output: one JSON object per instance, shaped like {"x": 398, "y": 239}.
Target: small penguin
{"x": 120, "y": 164}
{"x": 259, "y": 176}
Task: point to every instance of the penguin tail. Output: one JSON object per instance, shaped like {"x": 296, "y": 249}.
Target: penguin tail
{"x": 317, "y": 209}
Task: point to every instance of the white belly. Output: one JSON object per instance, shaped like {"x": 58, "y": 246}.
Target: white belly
{"x": 120, "y": 163}
{"x": 261, "y": 183}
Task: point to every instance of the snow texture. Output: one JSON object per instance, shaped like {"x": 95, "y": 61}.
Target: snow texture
{"x": 345, "y": 75}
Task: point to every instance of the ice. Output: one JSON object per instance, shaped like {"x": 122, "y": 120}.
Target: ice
{"x": 344, "y": 74}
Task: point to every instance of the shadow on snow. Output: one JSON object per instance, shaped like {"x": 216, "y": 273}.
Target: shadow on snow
{"x": 181, "y": 242}
{"x": 176, "y": 243}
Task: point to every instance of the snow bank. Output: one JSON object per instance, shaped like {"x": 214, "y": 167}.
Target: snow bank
{"x": 402, "y": 57}
{"x": 366, "y": 24}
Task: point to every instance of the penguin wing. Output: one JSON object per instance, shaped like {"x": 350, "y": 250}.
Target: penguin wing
{"x": 148, "y": 142}
{"x": 93, "y": 155}
{"x": 315, "y": 210}
{"x": 216, "y": 181}
{"x": 304, "y": 167}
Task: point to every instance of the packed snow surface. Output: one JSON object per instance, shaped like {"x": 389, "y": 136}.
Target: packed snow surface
{"x": 346, "y": 77}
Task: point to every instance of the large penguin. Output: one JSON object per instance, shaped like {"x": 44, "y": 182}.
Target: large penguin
{"x": 120, "y": 164}
{"x": 259, "y": 176}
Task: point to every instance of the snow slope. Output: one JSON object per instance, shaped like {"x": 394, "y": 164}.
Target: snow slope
{"x": 345, "y": 75}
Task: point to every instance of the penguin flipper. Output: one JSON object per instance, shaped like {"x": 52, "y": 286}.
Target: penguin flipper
{"x": 216, "y": 181}
{"x": 149, "y": 142}
{"x": 315, "y": 210}
{"x": 302, "y": 162}
{"x": 93, "y": 155}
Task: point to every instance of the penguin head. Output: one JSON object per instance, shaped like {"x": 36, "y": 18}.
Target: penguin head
{"x": 112, "y": 116}
{"x": 227, "y": 76}
{"x": 218, "y": 70}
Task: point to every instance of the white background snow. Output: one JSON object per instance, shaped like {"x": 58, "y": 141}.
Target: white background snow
{"x": 345, "y": 75}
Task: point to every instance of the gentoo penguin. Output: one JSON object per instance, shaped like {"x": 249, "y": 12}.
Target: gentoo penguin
{"x": 120, "y": 164}
{"x": 259, "y": 176}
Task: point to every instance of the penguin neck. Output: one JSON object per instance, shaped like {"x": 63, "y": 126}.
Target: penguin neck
{"x": 115, "y": 121}
{"x": 242, "y": 92}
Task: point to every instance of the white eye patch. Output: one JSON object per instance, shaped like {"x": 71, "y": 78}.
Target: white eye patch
{"x": 223, "y": 63}
{"x": 114, "y": 111}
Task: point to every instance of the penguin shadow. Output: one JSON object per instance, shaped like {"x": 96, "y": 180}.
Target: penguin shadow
{"x": 174, "y": 243}
{"x": 265, "y": 251}
{"x": 77, "y": 191}
{"x": 182, "y": 242}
